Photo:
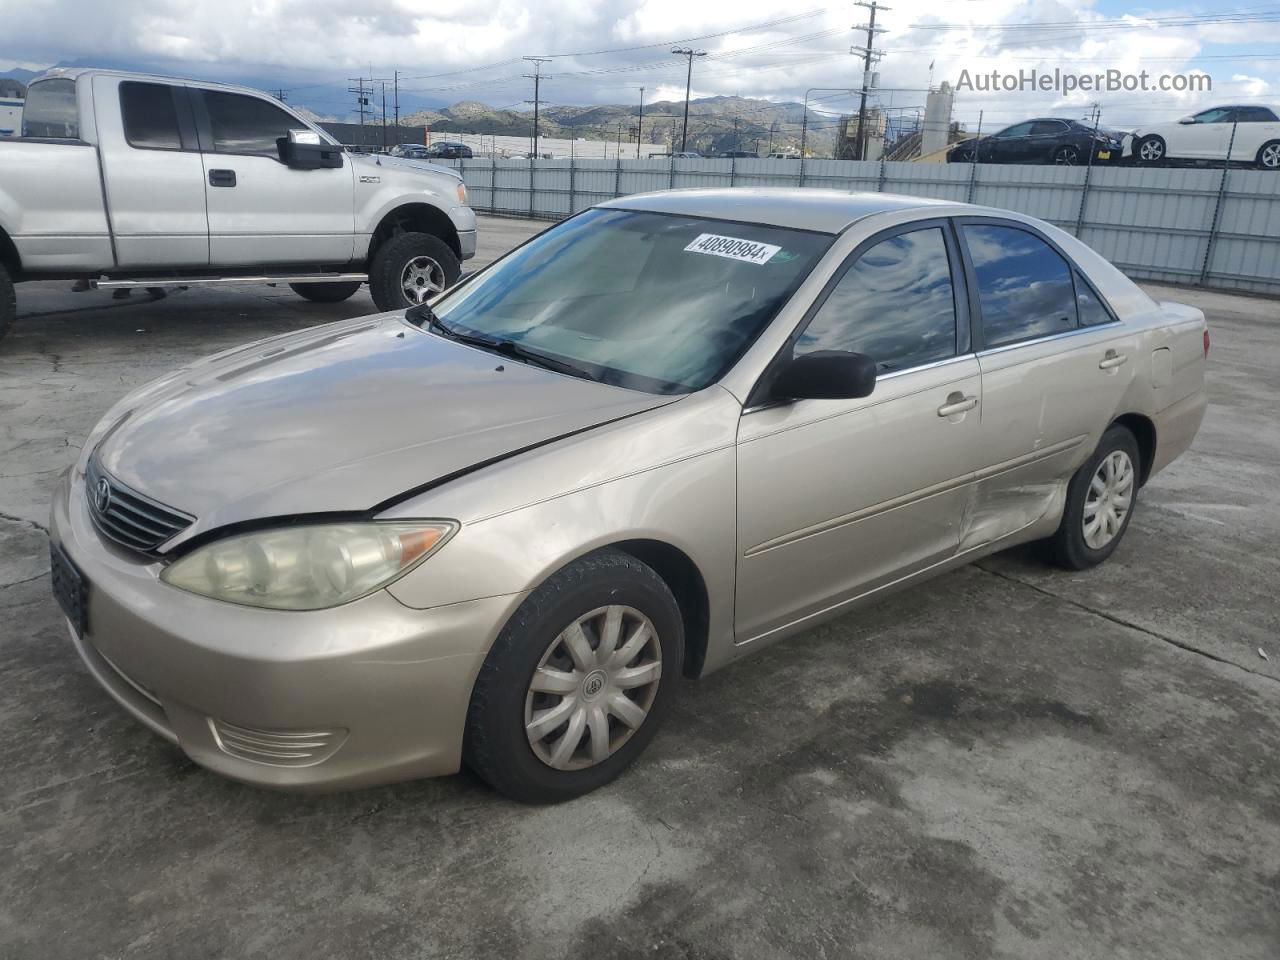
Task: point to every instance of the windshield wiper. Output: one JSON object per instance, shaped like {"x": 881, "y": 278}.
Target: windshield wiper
{"x": 502, "y": 346}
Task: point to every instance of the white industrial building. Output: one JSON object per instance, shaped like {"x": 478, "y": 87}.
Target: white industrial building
{"x": 10, "y": 117}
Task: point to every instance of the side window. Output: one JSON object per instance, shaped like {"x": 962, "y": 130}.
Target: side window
{"x": 1019, "y": 130}
{"x": 1024, "y": 285}
{"x": 244, "y": 124}
{"x": 51, "y": 111}
{"x": 1254, "y": 115}
{"x": 150, "y": 117}
{"x": 1049, "y": 127}
{"x": 895, "y": 304}
{"x": 1092, "y": 312}
{"x": 1213, "y": 115}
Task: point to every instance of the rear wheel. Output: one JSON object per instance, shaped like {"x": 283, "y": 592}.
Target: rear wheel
{"x": 325, "y": 292}
{"x": 1100, "y": 502}
{"x": 1150, "y": 150}
{"x": 578, "y": 681}
{"x": 1269, "y": 156}
{"x": 8, "y": 301}
{"x": 411, "y": 268}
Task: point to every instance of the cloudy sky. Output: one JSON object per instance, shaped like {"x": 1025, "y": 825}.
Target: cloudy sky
{"x": 451, "y": 50}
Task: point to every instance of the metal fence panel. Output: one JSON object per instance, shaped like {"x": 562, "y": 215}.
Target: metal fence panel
{"x": 1196, "y": 226}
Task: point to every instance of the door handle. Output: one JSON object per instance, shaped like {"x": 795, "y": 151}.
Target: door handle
{"x": 222, "y": 178}
{"x": 1112, "y": 360}
{"x": 957, "y": 403}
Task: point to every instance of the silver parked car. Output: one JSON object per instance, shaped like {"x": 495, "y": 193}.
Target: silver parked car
{"x": 655, "y": 438}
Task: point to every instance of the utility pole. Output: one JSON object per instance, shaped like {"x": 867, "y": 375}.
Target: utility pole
{"x": 397, "y": 96}
{"x": 384, "y": 115}
{"x": 280, "y": 94}
{"x": 619, "y": 139}
{"x": 362, "y": 102}
{"x": 736, "y": 144}
{"x": 688, "y": 82}
{"x": 868, "y": 54}
{"x": 640, "y": 124}
{"x": 537, "y": 79}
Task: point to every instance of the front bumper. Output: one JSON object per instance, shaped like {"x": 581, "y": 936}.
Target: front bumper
{"x": 369, "y": 692}
{"x": 467, "y": 244}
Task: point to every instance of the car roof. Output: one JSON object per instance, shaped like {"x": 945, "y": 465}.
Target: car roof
{"x": 74, "y": 73}
{"x": 800, "y": 208}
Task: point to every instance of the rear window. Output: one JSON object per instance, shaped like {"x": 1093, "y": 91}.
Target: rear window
{"x": 50, "y": 110}
{"x": 150, "y": 117}
{"x": 1024, "y": 285}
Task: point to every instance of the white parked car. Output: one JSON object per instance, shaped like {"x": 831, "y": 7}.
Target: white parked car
{"x": 1207, "y": 135}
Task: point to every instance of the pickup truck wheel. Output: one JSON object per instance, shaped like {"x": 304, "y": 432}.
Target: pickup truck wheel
{"x": 409, "y": 269}
{"x": 8, "y": 301}
{"x": 325, "y": 292}
{"x": 1100, "y": 502}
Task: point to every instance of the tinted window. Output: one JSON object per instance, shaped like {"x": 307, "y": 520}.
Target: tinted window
{"x": 1019, "y": 130}
{"x": 1254, "y": 115}
{"x": 1052, "y": 127}
{"x": 246, "y": 124}
{"x": 895, "y": 304}
{"x": 1091, "y": 310}
{"x": 150, "y": 118}
{"x": 1024, "y": 285}
{"x": 50, "y": 110}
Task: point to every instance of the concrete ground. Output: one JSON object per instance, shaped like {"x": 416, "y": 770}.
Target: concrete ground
{"x": 1008, "y": 762}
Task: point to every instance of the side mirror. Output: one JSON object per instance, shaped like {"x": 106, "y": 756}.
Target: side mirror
{"x": 1186, "y": 120}
{"x": 307, "y": 150}
{"x": 826, "y": 375}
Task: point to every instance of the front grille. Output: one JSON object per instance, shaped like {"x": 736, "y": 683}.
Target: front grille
{"x": 280, "y": 748}
{"x": 126, "y": 516}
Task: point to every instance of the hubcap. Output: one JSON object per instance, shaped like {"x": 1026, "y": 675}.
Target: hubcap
{"x": 421, "y": 279}
{"x": 1067, "y": 156}
{"x": 593, "y": 688}
{"x": 1271, "y": 156}
{"x": 1109, "y": 499}
{"x": 1151, "y": 150}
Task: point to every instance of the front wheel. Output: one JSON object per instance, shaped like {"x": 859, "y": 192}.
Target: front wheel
{"x": 325, "y": 292}
{"x": 1066, "y": 155}
{"x": 1100, "y": 502}
{"x": 409, "y": 269}
{"x": 1150, "y": 150}
{"x": 578, "y": 681}
{"x": 8, "y": 301}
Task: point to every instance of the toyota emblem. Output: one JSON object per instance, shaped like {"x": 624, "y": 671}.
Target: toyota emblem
{"x": 102, "y": 496}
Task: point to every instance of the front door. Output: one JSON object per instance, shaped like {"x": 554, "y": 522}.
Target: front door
{"x": 839, "y": 497}
{"x": 261, "y": 211}
{"x": 1055, "y": 365}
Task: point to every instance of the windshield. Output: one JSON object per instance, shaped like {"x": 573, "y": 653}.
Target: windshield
{"x": 646, "y": 301}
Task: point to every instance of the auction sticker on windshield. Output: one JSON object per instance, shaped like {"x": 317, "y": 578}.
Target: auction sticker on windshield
{"x": 733, "y": 248}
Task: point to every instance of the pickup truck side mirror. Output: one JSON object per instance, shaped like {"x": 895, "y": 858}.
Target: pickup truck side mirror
{"x": 826, "y": 375}
{"x": 307, "y": 150}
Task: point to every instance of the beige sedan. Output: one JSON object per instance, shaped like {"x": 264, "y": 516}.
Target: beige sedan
{"x": 658, "y": 437}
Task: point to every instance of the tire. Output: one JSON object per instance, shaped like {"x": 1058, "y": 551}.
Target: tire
{"x": 497, "y": 746}
{"x": 1150, "y": 150}
{"x": 8, "y": 301}
{"x": 1070, "y": 546}
{"x": 325, "y": 292}
{"x": 392, "y": 260}
{"x": 1269, "y": 155}
{"x": 1066, "y": 155}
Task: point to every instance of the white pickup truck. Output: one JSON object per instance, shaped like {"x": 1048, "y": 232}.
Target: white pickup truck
{"x": 126, "y": 180}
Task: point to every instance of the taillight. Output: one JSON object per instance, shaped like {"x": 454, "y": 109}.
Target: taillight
{"x": 1206, "y": 341}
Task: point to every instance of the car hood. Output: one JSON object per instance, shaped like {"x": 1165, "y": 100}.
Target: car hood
{"x": 405, "y": 163}
{"x": 340, "y": 418}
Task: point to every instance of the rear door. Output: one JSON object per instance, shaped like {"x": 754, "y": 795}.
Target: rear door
{"x": 1046, "y": 136}
{"x": 260, "y": 210}
{"x": 839, "y": 497}
{"x": 1254, "y": 127}
{"x": 153, "y": 173}
{"x": 1055, "y": 364}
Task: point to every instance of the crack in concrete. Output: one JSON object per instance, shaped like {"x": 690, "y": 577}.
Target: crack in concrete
{"x": 18, "y": 583}
{"x": 1122, "y": 622}
{"x": 31, "y": 523}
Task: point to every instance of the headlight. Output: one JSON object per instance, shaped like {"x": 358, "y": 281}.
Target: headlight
{"x": 462, "y": 193}
{"x": 308, "y": 567}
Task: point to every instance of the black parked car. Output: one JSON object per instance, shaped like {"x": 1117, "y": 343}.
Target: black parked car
{"x": 411, "y": 151}
{"x": 1045, "y": 140}
{"x": 447, "y": 150}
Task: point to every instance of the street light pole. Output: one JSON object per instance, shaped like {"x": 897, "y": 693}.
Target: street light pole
{"x": 688, "y": 83}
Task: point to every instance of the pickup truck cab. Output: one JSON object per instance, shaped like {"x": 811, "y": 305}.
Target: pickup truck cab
{"x": 129, "y": 180}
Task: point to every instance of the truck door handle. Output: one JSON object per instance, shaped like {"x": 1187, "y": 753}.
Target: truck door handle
{"x": 222, "y": 178}
{"x": 957, "y": 403}
{"x": 1111, "y": 360}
